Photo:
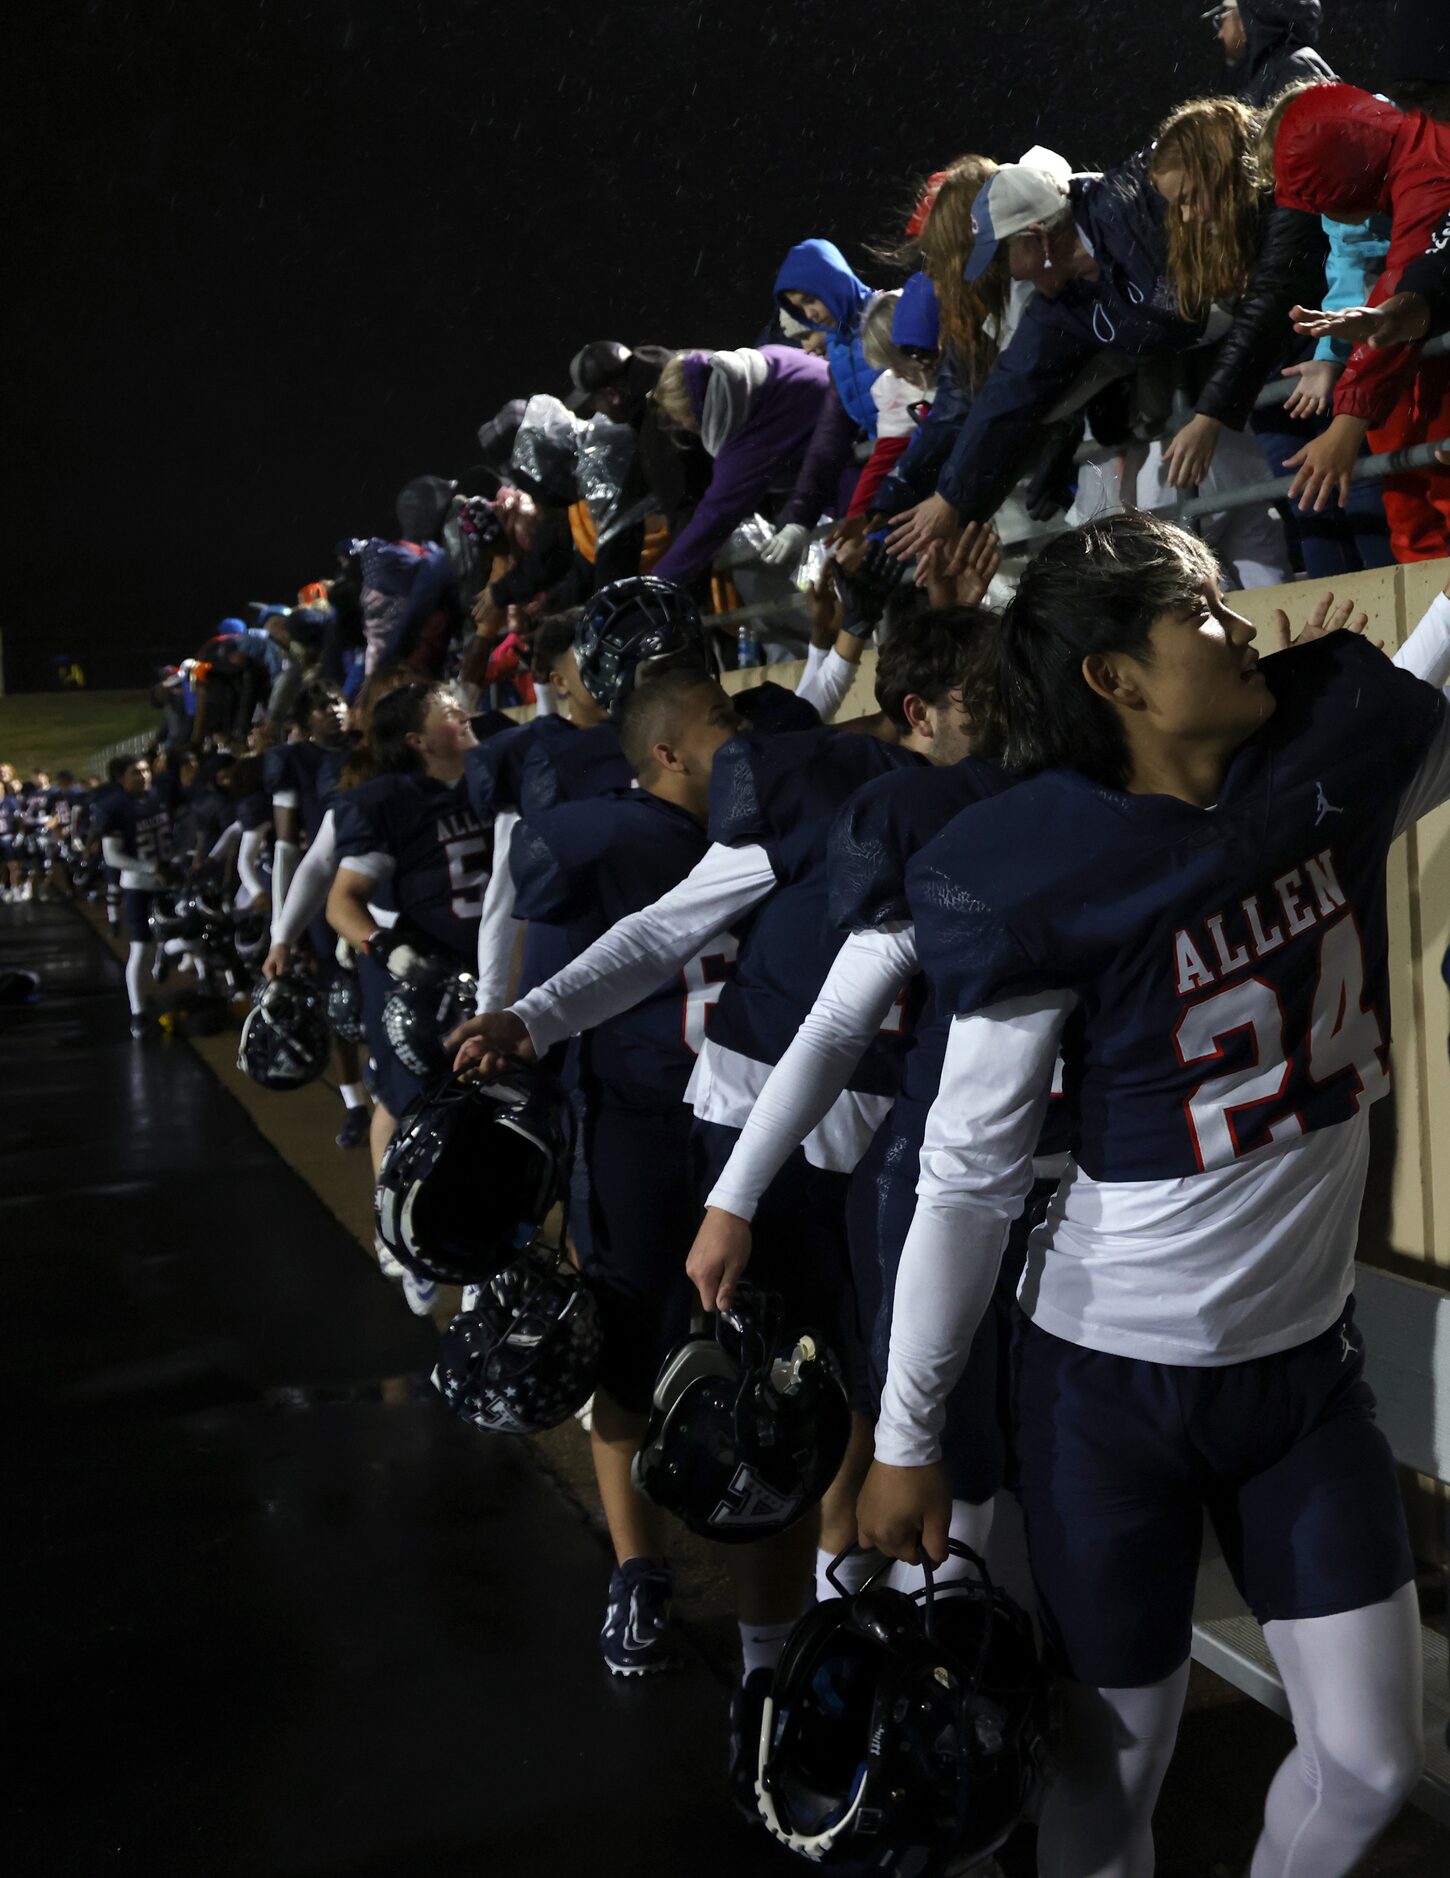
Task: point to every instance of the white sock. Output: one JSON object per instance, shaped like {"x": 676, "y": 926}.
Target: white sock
{"x": 761, "y": 1645}
{"x": 354, "y": 1095}
{"x": 136, "y": 975}
{"x": 853, "y": 1571}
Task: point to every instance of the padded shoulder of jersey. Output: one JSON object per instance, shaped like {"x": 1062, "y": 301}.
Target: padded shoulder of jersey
{"x": 545, "y": 887}
{"x": 771, "y": 709}
{"x": 357, "y": 814}
{"x": 883, "y": 825}
{"x": 764, "y": 788}
{"x": 277, "y": 769}
{"x": 557, "y": 769}
{"x": 493, "y": 767}
{"x": 1341, "y": 693}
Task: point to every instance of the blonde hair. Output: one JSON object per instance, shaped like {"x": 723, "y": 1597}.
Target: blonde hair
{"x": 1269, "y": 128}
{"x": 671, "y": 396}
{"x": 876, "y": 332}
{"x": 1213, "y": 141}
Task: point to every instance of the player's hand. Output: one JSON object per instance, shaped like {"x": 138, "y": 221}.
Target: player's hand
{"x": 277, "y": 960}
{"x": 1320, "y": 623}
{"x": 394, "y": 948}
{"x": 1314, "y": 393}
{"x": 487, "y": 1044}
{"x": 932, "y": 520}
{"x": 1326, "y": 463}
{"x": 823, "y": 604}
{"x": 974, "y": 563}
{"x": 717, "y": 1258}
{"x": 1188, "y": 456}
{"x": 1399, "y": 320}
{"x": 904, "y": 1511}
{"x": 852, "y": 528}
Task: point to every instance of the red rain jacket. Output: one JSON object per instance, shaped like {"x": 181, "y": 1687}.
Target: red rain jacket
{"x": 1342, "y": 153}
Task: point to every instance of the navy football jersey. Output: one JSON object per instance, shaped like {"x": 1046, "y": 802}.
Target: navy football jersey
{"x": 143, "y": 822}
{"x": 439, "y": 848}
{"x": 872, "y": 843}
{"x": 770, "y": 709}
{"x": 584, "y": 764}
{"x": 1229, "y": 964}
{"x": 253, "y": 811}
{"x": 782, "y": 793}
{"x": 494, "y": 768}
{"x": 582, "y": 866}
{"x": 308, "y": 771}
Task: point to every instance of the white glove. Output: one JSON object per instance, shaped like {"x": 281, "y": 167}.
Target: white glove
{"x": 345, "y": 955}
{"x": 786, "y": 546}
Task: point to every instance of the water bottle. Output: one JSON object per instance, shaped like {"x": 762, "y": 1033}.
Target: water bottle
{"x": 747, "y": 646}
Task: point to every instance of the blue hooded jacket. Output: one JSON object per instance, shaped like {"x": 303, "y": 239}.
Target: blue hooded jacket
{"x": 820, "y": 269}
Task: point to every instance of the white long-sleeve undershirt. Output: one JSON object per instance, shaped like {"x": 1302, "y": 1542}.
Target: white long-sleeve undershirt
{"x": 253, "y": 882}
{"x": 638, "y": 952}
{"x": 135, "y": 873}
{"x": 307, "y": 890}
{"x": 1426, "y": 652}
{"x": 285, "y": 856}
{"x": 866, "y": 978}
{"x": 825, "y": 682}
{"x": 976, "y": 1173}
{"x": 497, "y": 927}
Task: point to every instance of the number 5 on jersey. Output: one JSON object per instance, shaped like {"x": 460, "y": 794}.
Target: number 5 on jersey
{"x": 704, "y": 978}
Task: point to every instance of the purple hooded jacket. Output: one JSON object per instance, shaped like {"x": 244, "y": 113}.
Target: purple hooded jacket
{"x": 768, "y": 446}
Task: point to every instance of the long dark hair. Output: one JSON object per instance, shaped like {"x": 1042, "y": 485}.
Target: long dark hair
{"x": 1096, "y": 589}
{"x": 398, "y": 716}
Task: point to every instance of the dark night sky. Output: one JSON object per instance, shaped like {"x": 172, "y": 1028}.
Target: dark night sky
{"x": 276, "y": 259}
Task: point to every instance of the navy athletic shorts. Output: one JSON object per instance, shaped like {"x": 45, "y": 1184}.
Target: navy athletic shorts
{"x": 798, "y": 1248}
{"x": 392, "y": 1085}
{"x": 1119, "y": 1459}
{"x": 642, "y": 1216}
{"x": 880, "y": 1202}
{"x": 136, "y": 913}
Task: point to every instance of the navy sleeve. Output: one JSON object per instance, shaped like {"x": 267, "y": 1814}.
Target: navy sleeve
{"x": 543, "y": 887}
{"x": 354, "y": 817}
{"x": 782, "y": 793}
{"x": 770, "y": 709}
{"x": 969, "y": 954}
{"x": 277, "y": 770}
{"x": 492, "y": 769}
{"x": 255, "y": 811}
{"x": 1038, "y": 366}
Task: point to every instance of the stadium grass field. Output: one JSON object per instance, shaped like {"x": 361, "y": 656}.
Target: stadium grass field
{"x": 63, "y": 729}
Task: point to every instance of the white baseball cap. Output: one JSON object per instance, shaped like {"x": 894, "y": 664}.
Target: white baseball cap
{"x": 1020, "y": 194}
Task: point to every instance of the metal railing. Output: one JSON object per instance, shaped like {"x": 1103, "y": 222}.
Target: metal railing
{"x": 1185, "y": 508}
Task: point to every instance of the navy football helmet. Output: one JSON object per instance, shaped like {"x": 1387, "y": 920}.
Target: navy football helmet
{"x": 175, "y": 915}
{"x": 285, "y": 1041}
{"x": 747, "y": 1428}
{"x": 904, "y": 1732}
{"x": 344, "y": 1006}
{"x": 633, "y": 627}
{"x": 470, "y": 1176}
{"x": 422, "y": 1009}
{"x": 524, "y": 1357}
{"x": 251, "y": 935}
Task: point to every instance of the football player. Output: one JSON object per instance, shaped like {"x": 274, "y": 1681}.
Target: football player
{"x": 579, "y": 866}
{"x": 300, "y": 778}
{"x": 135, "y": 831}
{"x": 772, "y": 802}
{"x": 1185, "y": 896}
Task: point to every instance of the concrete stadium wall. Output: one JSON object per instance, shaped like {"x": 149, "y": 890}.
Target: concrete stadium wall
{"x": 1407, "y": 1209}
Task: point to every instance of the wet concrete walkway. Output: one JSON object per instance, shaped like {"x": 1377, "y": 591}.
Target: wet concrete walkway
{"x": 271, "y": 1609}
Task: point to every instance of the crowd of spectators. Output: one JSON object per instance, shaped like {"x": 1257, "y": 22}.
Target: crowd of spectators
{"x": 1245, "y": 296}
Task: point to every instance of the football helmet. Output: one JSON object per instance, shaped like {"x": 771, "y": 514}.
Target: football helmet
{"x": 904, "y": 1732}
{"x": 525, "y": 1357}
{"x": 252, "y": 934}
{"x": 635, "y": 626}
{"x": 344, "y": 1006}
{"x": 176, "y": 916}
{"x": 422, "y": 1009}
{"x": 747, "y": 1427}
{"x": 285, "y": 1040}
{"x": 469, "y": 1177}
